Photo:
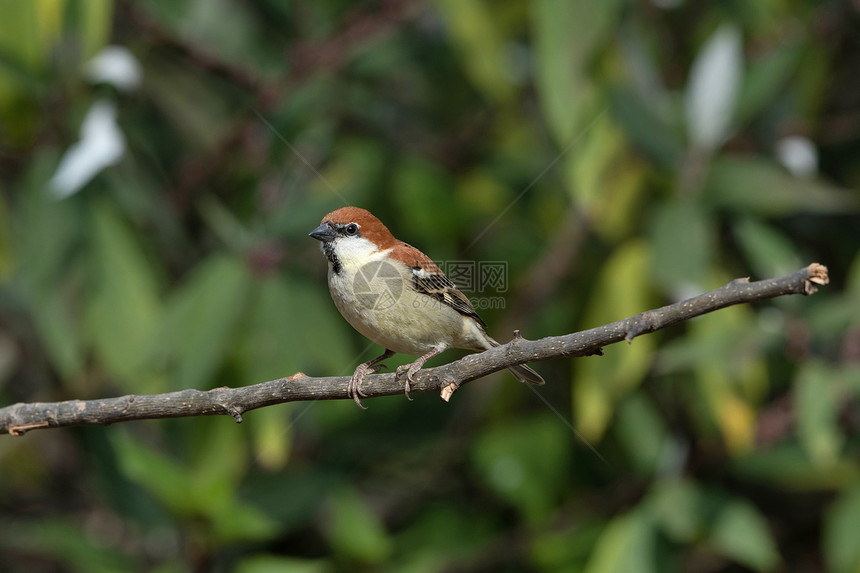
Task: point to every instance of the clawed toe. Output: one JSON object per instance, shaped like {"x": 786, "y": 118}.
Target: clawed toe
{"x": 354, "y": 391}
{"x": 409, "y": 374}
{"x": 353, "y": 388}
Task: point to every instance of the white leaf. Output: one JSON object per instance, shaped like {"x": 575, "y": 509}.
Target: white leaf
{"x": 102, "y": 144}
{"x": 114, "y": 65}
{"x": 798, "y": 155}
{"x": 713, "y": 87}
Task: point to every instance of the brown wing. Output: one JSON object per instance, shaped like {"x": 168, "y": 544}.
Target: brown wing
{"x": 442, "y": 289}
{"x": 427, "y": 278}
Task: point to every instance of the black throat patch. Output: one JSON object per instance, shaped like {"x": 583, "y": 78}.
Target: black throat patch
{"x": 328, "y": 249}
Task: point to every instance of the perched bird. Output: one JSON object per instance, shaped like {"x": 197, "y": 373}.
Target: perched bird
{"x": 393, "y": 294}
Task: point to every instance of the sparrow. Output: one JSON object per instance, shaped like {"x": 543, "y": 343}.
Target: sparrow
{"x": 396, "y": 296}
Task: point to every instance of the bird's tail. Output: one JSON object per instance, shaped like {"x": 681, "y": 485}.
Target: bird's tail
{"x": 520, "y": 371}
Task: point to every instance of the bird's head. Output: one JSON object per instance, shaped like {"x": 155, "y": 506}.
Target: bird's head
{"x": 350, "y": 235}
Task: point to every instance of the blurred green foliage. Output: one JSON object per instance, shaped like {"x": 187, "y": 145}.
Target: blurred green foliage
{"x": 619, "y": 155}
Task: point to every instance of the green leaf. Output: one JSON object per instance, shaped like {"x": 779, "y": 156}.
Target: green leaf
{"x": 47, "y": 233}
{"x": 277, "y": 345}
{"x": 425, "y": 194}
{"x": 683, "y": 239}
{"x": 610, "y": 197}
{"x": 231, "y": 35}
{"x": 567, "y": 36}
{"x": 124, "y": 310}
{"x": 480, "y": 45}
{"x": 217, "y": 457}
{"x": 525, "y": 463}
{"x": 729, "y": 341}
{"x": 268, "y": 351}
{"x": 203, "y": 489}
{"x": 645, "y": 129}
{"x": 733, "y": 416}
{"x": 278, "y": 342}
{"x": 442, "y": 535}
{"x": 95, "y": 23}
{"x": 30, "y": 30}
{"x": 354, "y": 531}
{"x": 233, "y": 520}
{"x": 167, "y": 480}
{"x": 741, "y": 533}
{"x": 628, "y": 545}
{"x": 838, "y": 313}
{"x": 681, "y": 508}
{"x": 197, "y": 112}
{"x": 58, "y": 332}
{"x": 272, "y": 437}
{"x": 770, "y": 252}
{"x": 766, "y": 77}
{"x": 201, "y": 320}
{"x": 852, "y": 279}
{"x": 225, "y": 225}
{"x": 641, "y": 431}
{"x": 760, "y": 187}
{"x": 839, "y": 540}
{"x": 818, "y": 404}
{"x": 74, "y": 547}
{"x": 566, "y": 549}
{"x": 730, "y": 372}
{"x": 599, "y": 381}
{"x": 786, "y": 466}
{"x": 7, "y": 252}
{"x": 262, "y": 563}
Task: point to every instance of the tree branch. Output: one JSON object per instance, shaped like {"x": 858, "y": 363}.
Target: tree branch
{"x": 21, "y": 418}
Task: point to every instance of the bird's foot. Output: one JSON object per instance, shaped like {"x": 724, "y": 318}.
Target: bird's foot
{"x": 409, "y": 375}
{"x": 412, "y": 369}
{"x": 353, "y": 388}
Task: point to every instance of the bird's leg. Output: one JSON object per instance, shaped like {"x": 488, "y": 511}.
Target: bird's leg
{"x": 411, "y": 369}
{"x": 353, "y": 389}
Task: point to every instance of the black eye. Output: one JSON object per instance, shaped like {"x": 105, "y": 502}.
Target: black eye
{"x": 351, "y": 229}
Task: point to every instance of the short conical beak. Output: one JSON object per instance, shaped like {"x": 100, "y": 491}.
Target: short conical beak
{"x": 323, "y": 233}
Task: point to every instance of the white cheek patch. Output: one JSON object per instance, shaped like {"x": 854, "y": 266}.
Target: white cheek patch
{"x": 357, "y": 251}
{"x": 353, "y": 248}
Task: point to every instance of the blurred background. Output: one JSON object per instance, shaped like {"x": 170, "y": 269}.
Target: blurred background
{"x": 161, "y": 164}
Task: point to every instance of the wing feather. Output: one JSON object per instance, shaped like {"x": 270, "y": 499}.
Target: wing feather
{"x": 428, "y": 278}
